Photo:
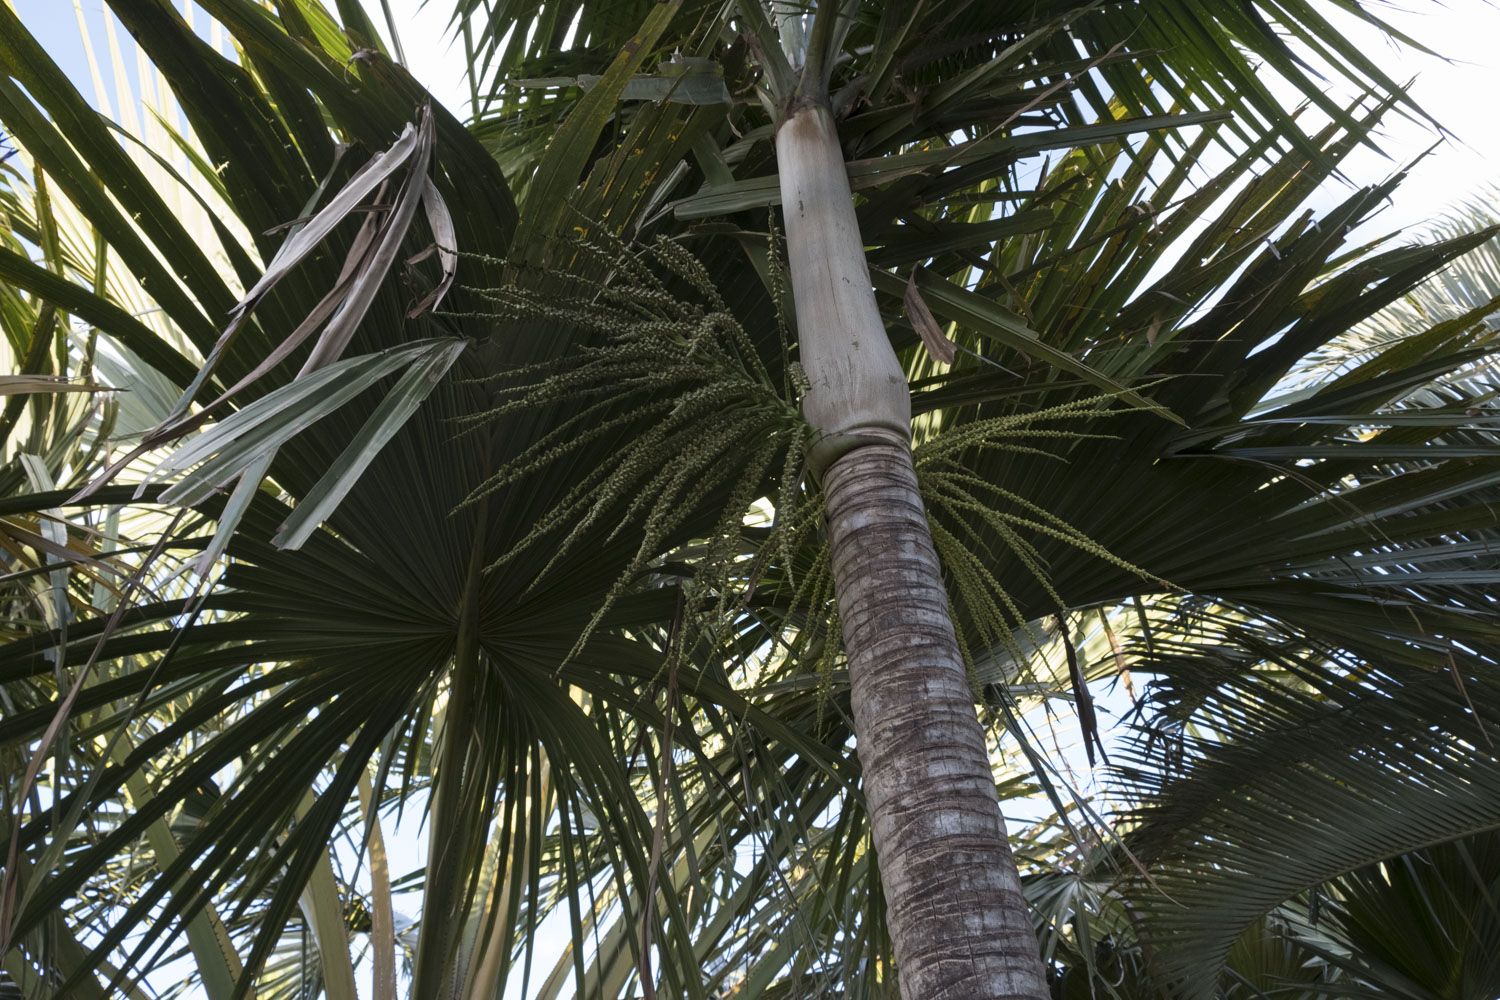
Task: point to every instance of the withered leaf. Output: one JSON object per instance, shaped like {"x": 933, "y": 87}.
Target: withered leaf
{"x": 926, "y": 324}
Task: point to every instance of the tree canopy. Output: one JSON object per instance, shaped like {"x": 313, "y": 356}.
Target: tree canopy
{"x": 450, "y": 472}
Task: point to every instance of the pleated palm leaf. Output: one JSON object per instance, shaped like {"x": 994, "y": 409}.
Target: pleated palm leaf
{"x": 59, "y": 569}
{"x": 1267, "y": 756}
{"x": 1418, "y": 925}
{"x": 639, "y": 729}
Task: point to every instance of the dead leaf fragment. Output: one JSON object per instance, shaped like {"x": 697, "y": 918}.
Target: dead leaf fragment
{"x": 926, "y": 324}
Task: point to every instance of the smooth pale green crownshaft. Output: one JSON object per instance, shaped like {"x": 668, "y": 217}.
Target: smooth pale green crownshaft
{"x": 857, "y": 388}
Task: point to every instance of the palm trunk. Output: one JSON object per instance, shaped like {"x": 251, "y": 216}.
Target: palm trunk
{"x": 955, "y": 911}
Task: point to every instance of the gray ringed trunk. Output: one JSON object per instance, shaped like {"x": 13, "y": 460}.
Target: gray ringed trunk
{"x": 954, "y": 907}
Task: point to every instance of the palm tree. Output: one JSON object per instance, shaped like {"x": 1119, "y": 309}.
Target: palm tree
{"x": 619, "y": 699}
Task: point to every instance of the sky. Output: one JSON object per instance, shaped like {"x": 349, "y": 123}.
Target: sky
{"x": 1457, "y": 89}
